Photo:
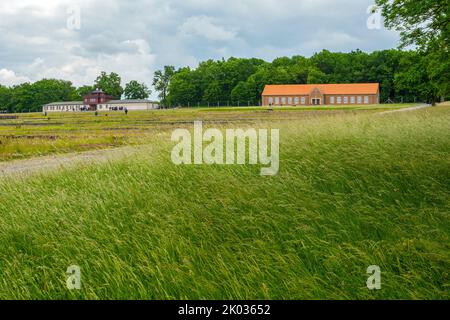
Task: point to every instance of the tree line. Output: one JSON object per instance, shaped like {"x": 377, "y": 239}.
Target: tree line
{"x": 403, "y": 75}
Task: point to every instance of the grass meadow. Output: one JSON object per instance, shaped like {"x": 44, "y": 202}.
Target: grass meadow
{"x": 355, "y": 188}
{"x": 36, "y": 135}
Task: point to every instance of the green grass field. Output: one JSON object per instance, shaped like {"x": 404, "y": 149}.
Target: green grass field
{"x": 34, "y": 134}
{"x": 355, "y": 188}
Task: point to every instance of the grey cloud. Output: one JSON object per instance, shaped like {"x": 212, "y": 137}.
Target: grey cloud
{"x": 134, "y": 38}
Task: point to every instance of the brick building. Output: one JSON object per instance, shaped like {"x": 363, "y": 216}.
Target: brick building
{"x": 321, "y": 94}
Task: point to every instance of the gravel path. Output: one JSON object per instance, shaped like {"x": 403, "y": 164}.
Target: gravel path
{"x": 53, "y": 162}
{"x": 422, "y": 106}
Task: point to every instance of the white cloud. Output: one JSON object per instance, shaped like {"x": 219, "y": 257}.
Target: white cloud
{"x": 330, "y": 40}
{"x": 10, "y": 78}
{"x": 206, "y": 27}
{"x": 135, "y": 63}
{"x": 134, "y": 38}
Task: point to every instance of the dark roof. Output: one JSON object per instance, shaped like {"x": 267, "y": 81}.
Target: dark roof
{"x": 129, "y": 101}
{"x": 67, "y": 103}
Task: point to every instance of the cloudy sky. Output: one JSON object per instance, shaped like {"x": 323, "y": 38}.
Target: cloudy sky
{"x": 44, "y": 38}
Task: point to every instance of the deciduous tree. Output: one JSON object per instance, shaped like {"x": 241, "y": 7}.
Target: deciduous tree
{"x": 110, "y": 84}
{"x": 136, "y": 90}
{"x": 161, "y": 82}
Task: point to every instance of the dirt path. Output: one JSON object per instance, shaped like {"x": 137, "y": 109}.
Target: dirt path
{"x": 53, "y": 162}
{"x": 422, "y": 106}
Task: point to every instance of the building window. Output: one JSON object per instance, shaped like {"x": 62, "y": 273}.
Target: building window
{"x": 339, "y": 100}
{"x": 277, "y": 100}
{"x": 303, "y": 100}
{"x": 289, "y": 100}
{"x": 366, "y": 99}
{"x": 270, "y": 100}
{"x": 352, "y": 100}
{"x": 359, "y": 99}
{"x": 345, "y": 100}
{"x": 283, "y": 100}
{"x": 296, "y": 100}
{"x": 332, "y": 100}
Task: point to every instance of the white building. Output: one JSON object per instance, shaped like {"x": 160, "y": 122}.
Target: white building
{"x": 116, "y": 105}
{"x": 99, "y": 101}
{"x": 112, "y": 105}
{"x": 73, "y": 106}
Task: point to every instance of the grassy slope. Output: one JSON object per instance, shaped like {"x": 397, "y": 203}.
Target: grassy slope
{"x": 353, "y": 190}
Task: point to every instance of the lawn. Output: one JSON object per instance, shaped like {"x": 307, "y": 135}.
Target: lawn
{"x": 355, "y": 188}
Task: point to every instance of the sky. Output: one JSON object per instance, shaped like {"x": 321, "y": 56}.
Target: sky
{"x": 77, "y": 39}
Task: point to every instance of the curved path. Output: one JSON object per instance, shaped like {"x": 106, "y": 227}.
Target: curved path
{"x": 422, "y": 106}
{"x": 52, "y": 162}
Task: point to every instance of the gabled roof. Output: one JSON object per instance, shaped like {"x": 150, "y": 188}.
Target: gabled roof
{"x": 305, "y": 89}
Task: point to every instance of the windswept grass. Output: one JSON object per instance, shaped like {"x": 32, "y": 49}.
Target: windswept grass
{"x": 62, "y": 132}
{"x": 353, "y": 190}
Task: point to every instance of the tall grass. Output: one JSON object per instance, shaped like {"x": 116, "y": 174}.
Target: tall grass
{"x": 60, "y": 132}
{"x": 352, "y": 191}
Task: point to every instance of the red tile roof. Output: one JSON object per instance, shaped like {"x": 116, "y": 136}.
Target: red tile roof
{"x": 305, "y": 89}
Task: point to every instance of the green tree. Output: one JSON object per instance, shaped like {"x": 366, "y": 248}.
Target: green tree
{"x": 110, "y": 84}
{"x": 182, "y": 88}
{"x": 245, "y": 92}
{"x": 426, "y": 24}
{"x": 412, "y": 80}
{"x": 161, "y": 82}
{"x": 82, "y": 91}
{"x": 136, "y": 90}
{"x": 299, "y": 69}
{"x": 5, "y": 99}
{"x": 423, "y": 23}
{"x": 382, "y": 67}
{"x": 213, "y": 93}
{"x": 30, "y": 97}
{"x": 315, "y": 75}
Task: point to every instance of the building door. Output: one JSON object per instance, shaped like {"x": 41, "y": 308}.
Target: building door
{"x": 315, "y": 101}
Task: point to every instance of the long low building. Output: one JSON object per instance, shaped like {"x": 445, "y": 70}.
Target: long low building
{"x": 321, "y": 94}
{"x": 99, "y": 101}
{"x": 140, "y": 104}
